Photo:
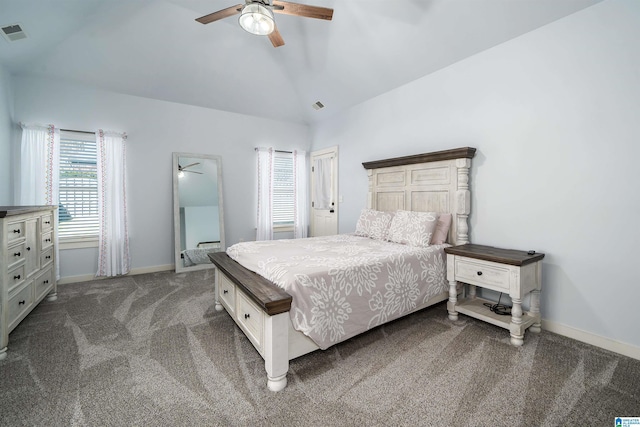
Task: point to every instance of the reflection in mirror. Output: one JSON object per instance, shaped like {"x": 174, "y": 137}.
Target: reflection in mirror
{"x": 197, "y": 209}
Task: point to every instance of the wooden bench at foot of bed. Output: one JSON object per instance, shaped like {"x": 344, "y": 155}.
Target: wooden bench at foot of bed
{"x": 260, "y": 309}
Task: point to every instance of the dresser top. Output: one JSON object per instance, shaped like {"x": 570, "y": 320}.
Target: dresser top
{"x": 18, "y": 210}
{"x": 489, "y": 253}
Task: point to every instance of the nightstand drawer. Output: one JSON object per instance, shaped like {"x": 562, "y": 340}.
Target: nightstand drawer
{"x": 481, "y": 273}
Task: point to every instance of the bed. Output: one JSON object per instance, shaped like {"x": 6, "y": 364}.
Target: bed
{"x": 264, "y": 295}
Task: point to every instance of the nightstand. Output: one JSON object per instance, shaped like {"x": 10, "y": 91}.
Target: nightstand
{"x": 513, "y": 272}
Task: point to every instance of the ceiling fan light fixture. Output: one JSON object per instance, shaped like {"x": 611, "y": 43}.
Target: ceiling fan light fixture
{"x": 257, "y": 19}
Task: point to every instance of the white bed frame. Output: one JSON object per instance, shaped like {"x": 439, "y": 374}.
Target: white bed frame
{"x": 437, "y": 182}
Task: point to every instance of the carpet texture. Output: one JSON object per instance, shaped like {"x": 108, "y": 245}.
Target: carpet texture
{"x": 150, "y": 350}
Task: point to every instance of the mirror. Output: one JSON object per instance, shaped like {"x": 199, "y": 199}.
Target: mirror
{"x": 197, "y": 209}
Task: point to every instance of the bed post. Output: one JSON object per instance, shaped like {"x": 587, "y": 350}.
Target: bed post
{"x": 276, "y": 350}
{"x": 370, "y": 193}
{"x": 463, "y": 201}
{"x": 216, "y": 279}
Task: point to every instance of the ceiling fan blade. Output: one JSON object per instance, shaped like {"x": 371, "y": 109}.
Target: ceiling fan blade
{"x": 296, "y": 9}
{"x": 221, "y": 14}
{"x": 188, "y": 166}
{"x": 276, "y": 38}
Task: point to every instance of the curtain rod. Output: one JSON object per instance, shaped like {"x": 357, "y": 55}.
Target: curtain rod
{"x": 79, "y": 131}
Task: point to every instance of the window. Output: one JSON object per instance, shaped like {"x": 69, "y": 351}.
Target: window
{"x": 78, "y": 207}
{"x": 283, "y": 190}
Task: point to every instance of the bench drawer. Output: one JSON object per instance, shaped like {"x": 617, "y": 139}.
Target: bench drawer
{"x": 250, "y": 319}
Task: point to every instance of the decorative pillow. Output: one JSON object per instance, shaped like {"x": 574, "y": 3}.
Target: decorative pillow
{"x": 374, "y": 224}
{"x": 442, "y": 229}
{"x": 413, "y": 228}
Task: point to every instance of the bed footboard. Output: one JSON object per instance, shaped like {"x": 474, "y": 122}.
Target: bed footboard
{"x": 260, "y": 309}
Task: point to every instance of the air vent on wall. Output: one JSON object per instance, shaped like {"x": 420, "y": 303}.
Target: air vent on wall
{"x": 318, "y": 105}
{"x": 13, "y": 33}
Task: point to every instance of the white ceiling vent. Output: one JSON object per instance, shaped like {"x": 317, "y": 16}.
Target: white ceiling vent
{"x": 13, "y": 33}
{"x": 318, "y": 105}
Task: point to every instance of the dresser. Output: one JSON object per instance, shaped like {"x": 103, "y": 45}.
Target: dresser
{"x": 516, "y": 273}
{"x": 27, "y": 264}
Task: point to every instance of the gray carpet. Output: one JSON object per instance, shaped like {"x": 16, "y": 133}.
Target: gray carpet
{"x": 150, "y": 350}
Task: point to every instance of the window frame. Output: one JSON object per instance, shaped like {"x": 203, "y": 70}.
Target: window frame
{"x": 76, "y": 241}
{"x": 289, "y": 225}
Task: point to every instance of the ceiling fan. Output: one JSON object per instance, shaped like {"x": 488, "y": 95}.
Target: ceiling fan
{"x": 183, "y": 169}
{"x": 256, "y": 16}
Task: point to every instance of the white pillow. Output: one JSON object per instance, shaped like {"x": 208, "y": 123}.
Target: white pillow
{"x": 374, "y": 224}
{"x": 413, "y": 228}
{"x": 442, "y": 229}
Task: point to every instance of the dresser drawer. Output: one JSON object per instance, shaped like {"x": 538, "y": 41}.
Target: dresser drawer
{"x": 250, "y": 319}
{"x": 46, "y": 222}
{"x": 482, "y": 273}
{"x": 16, "y": 230}
{"x": 16, "y": 254}
{"x": 227, "y": 293}
{"x": 47, "y": 240}
{"x": 15, "y": 277}
{"x": 20, "y": 304}
{"x": 46, "y": 257}
{"x": 43, "y": 283}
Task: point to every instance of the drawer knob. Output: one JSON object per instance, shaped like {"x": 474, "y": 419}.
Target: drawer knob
{"x": 17, "y": 254}
{"x": 47, "y": 240}
{"x": 45, "y": 282}
{"x": 479, "y": 273}
{"x": 246, "y": 316}
{"x": 21, "y": 302}
{"x": 17, "y": 231}
{"x": 226, "y": 291}
{"x": 28, "y": 248}
{"x": 47, "y": 222}
{"x": 16, "y": 277}
{"x": 48, "y": 257}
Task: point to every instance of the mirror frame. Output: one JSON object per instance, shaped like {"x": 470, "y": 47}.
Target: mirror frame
{"x": 179, "y": 265}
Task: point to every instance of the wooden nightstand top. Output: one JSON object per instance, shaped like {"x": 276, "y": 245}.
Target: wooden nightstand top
{"x": 489, "y": 253}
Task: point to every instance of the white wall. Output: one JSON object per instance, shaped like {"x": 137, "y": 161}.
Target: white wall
{"x": 155, "y": 129}
{"x": 554, "y": 115}
{"x": 6, "y": 189}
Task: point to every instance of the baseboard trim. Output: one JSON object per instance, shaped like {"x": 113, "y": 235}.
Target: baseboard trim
{"x": 593, "y": 339}
{"x": 132, "y": 272}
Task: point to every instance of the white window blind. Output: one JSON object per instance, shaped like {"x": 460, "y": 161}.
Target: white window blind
{"x": 283, "y": 189}
{"x": 78, "y": 206}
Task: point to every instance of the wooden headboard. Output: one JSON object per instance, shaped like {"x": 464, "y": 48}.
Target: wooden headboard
{"x": 436, "y": 182}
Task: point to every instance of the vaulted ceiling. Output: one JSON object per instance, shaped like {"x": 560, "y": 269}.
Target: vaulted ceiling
{"x": 156, "y": 49}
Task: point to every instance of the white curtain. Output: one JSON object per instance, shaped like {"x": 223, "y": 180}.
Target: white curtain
{"x": 39, "y": 165}
{"x": 300, "y": 222}
{"x": 39, "y": 176}
{"x": 113, "y": 248}
{"x": 265, "y": 192}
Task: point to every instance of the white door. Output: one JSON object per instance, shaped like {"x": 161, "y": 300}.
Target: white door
{"x": 324, "y": 192}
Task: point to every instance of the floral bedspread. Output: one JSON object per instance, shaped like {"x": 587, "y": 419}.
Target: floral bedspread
{"x": 344, "y": 285}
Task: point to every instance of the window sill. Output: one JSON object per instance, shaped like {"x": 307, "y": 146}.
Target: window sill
{"x": 78, "y": 243}
{"x": 283, "y": 229}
